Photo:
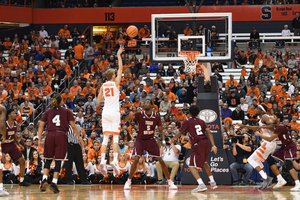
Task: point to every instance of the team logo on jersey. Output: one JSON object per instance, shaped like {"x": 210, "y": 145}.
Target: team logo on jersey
{"x": 208, "y": 115}
{"x": 187, "y": 161}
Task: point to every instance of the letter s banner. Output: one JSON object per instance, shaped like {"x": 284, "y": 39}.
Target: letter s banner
{"x": 266, "y": 12}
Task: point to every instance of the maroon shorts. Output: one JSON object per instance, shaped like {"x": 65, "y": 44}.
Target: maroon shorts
{"x": 12, "y": 150}
{"x": 149, "y": 145}
{"x": 288, "y": 152}
{"x": 199, "y": 153}
{"x": 56, "y": 145}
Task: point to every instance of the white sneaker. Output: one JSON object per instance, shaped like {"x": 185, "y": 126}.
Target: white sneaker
{"x": 172, "y": 186}
{"x": 279, "y": 184}
{"x": 200, "y": 188}
{"x": 213, "y": 185}
{"x": 127, "y": 185}
{"x": 296, "y": 188}
{"x": 3, "y": 193}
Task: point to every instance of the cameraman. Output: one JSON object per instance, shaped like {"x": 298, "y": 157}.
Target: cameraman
{"x": 241, "y": 152}
{"x": 170, "y": 155}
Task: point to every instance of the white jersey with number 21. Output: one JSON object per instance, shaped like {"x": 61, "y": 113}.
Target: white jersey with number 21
{"x": 111, "y": 96}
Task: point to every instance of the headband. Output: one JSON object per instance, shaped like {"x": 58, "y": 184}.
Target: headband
{"x": 262, "y": 108}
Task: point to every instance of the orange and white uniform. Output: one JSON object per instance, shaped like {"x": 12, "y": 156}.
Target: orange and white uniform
{"x": 111, "y": 111}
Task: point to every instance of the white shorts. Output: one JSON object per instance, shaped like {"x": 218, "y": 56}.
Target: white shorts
{"x": 111, "y": 121}
{"x": 265, "y": 149}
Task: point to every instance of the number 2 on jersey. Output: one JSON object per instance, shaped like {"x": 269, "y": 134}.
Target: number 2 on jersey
{"x": 109, "y": 92}
{"x": 198, "y": 130}
{"x": 56, "y": 120}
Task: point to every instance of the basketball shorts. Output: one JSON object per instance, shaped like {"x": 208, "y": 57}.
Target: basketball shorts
{"x": 199, "y": 153}
{"x": 111, "y": 121}
{"x": 287, "y": 152}
{"x": 149, "y": 145}
{"x": 56, "y": 145}
{"x": 12, "y": 150}
{"x": 265, "y": 149}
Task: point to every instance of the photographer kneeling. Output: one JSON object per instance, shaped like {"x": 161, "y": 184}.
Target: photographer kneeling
{"x": 170, "y": 155}
{"x": 241, "y": 152}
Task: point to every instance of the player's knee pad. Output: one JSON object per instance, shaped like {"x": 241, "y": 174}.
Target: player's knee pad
{"x": 253, "y": 161}
{"x": 57, "y": 166}
{"x": 105, "y": 139}
{"x": 47, "y": 164}
{"x": 289, "y": 165}
{"x": 116, "y": 138}
{"x": 271, "y": 161}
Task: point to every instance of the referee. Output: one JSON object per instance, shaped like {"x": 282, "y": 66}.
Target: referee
{"x": 75, "y": 154}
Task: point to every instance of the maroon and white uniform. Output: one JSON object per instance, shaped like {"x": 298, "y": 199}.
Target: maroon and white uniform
{"x": 196, "y": 131}
{"x": 145, "y": 138}
{"x": 9, "y": 146}
{"x": 288, "y": 148}
{"x": 56, "y": 142}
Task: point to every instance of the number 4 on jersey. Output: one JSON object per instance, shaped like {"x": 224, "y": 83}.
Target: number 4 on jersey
{"x": 198, "y": 130}
{"x": 56, "y": 120}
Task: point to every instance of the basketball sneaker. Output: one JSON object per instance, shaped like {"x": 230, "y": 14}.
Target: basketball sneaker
{"x": 296, "y": 188}
{"x": 54, "y": 188}
{"x": 3, "y": 193}
{"x": 127, "y": 185}
{"x": 280, "y": 183}
{"x": 266, "y": 183}
{"x": 213, "y": 185}
{"x": 44, "y": 185}
{"x": 171, "y": 185}
{"x": 200, "y": 188}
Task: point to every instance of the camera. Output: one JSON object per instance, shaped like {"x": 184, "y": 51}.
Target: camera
{"x": 168, "y": 139}
{"x": 235, "y": 138}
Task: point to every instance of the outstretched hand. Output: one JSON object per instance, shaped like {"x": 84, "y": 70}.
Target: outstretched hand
{"x": 121, "y": 50}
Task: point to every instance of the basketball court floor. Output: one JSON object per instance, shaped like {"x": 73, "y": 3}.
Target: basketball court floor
{"x": 148, "y": 192}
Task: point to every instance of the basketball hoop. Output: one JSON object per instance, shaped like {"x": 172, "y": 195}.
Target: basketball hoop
{"x": 190, "y": 59}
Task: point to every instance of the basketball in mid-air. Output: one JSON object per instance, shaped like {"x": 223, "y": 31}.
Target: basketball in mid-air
{"x": 132, "y": 31}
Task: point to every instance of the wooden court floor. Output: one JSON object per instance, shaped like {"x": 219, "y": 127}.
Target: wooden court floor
{"x": 148, "y": 192}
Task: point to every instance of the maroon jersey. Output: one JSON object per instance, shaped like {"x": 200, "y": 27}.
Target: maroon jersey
{"x": 11, "y": 130}
{"x": 195, "y": 128}
{"x": 57, "y": 119}
{"x": 284, "y": 137}
{"x": 147, "y": 124}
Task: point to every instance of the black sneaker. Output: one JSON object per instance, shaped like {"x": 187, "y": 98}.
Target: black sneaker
{"x": 53, "y": 188}
{"x": 86, "y": 183}
{"x": 24, "y": 184}
{"x": 71, "y": 182}
{"x": 44, "y": 185}
{"x": 161, "y": 182}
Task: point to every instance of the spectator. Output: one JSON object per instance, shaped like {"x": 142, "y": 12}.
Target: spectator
{"x": 165, "y": 104}
{"x": 64, "y": 32}
{"x": 244, "y": 106}
{"x": 240, "y": 92}
{"x": 285, "y": 114}
{"x": 122, "y": 146}
{"x": 292, "y": 61}
{"x": 225, "y": 111}
{"x": 170, "y": 155}
{"x": 191, "y": 92}
{"x": 231, "y": 78}
{"x": 295, "y": 25}
{"x": 242, "y": 59}
{"x": 39, "y": 56}
{"x": 249, "y": 99}
{"x": 43, "y": 32}
{"x": 238, "y": 113}
{"x": 269, "y": 63}
{"x": 94, "y": 152}
{"x": 214, "y": 37}
{"x": 251, "y": 114}
{"x": 63, "y": 43}
{"x": 233, "y": 100}
{"x": 143, "y": 71}
{"x": 75, "y": 35}
{"x": 90, "y": 103}
{"x": 144, "y": 32}
{"x": 28, "y": 149}
{"x": 78, "y": 51}
{"x": 171, "y": 96}
{"x": 241, "y": 152}
{"x": 107, "y": 39}
{"x": 261, "y": 86}
{"x": 254, "y": 37}
{"x": 88, "y": 56}
{"x": 253, "y": 89}
{"x": 187, "y": 31}
{"x": 183, "y": 96}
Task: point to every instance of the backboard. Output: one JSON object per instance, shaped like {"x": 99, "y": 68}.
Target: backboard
{"x": 168, "y": 37}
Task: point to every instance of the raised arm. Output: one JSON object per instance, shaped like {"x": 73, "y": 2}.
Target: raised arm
{"x": 120, "y": 70}
{"x": 100, "y": 97}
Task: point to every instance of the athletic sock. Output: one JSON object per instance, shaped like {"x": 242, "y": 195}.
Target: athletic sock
{"x": 263, "y": 174}
{"x": 211, "y": 178}
{"x": 279, "y": 177}
{"x": 102, "y": 157}
{"x": 1, "y": 186}
{"x": 45, "y": 177}
{"x": 129, "y": 180}
{"x": 116, "y": 157}
{"x": 170, "y": 181}
{"x": 54, "y": 180}
{"x": 297, "y": 182}
{"x": 200, "y": 181}
{"x": 21, "y": 179}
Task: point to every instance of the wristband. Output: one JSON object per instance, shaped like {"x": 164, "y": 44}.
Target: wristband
{"x": 163, "y": 142}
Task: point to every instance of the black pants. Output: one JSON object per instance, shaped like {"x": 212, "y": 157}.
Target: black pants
{"x": 116, "y": 180}
{"x": 147, "y": 179}
{"x": 35, "y": 179}
{"x": 9, "y": 178}
{"x": 75, "y": 154}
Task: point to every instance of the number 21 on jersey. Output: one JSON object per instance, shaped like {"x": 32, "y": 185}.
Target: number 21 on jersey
{"x": 109, "y": 92}
{"x": 198, "y": 130}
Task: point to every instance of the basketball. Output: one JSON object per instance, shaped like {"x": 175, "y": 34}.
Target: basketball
{"x": 132, "y": 31}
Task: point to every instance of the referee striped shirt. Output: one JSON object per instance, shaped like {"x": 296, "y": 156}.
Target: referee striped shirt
{"x": 72, "y": 138}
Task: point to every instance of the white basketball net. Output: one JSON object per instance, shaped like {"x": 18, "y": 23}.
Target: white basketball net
{"x": 190, "y": 60}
